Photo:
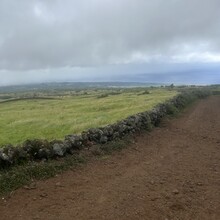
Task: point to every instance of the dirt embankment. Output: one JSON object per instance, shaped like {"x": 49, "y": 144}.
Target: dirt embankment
{"x": 170, "y": 173}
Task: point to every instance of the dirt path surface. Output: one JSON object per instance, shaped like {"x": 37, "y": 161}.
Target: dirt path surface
{"x": 170, "y": 173}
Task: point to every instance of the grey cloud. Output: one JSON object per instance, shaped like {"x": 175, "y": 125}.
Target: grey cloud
{"x": 71, "y": 33}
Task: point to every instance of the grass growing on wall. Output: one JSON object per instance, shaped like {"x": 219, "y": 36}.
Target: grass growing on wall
{"x": 55, "y": 118}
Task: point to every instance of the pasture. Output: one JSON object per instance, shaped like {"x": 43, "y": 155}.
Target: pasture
{"x": 54, "y": 116}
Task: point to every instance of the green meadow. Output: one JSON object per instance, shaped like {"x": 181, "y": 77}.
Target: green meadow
{"x": 70, "y": 113}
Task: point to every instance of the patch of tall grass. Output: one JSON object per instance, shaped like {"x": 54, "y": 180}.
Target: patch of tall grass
{"x": 55, "y": 118}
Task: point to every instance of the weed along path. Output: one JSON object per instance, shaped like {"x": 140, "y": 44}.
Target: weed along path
{"x": 170, "y": 173}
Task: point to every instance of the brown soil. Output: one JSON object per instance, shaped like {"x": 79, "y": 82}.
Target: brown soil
{"x": 170, "y": 173}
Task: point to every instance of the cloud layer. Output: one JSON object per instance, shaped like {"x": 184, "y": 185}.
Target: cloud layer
{"x": 45, "y": 34}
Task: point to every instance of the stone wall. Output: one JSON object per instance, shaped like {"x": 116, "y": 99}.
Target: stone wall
{"x": 34, "y": 150}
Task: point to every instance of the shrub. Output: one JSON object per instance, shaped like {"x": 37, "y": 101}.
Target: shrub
{"x": 171, "y": 109}
{"x": 102, "y": 96}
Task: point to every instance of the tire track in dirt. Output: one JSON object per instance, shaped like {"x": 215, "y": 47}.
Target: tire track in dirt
{"x": 170, "y": 173}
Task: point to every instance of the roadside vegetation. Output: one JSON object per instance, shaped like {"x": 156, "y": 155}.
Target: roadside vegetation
{"x": 26, "y": 174}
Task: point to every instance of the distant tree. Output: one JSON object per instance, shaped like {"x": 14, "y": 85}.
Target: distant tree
{"x": 172, "y": 86}
{"x": 146, "y": 92}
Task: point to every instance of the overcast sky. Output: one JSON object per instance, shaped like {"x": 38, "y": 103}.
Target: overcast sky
{"x": 109, "y": 40}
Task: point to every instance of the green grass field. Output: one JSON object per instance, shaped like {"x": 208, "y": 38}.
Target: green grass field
{"x": 55, "y": 118}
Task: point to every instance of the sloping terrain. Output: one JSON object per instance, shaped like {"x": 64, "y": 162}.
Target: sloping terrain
{"x": 170, "y": 173}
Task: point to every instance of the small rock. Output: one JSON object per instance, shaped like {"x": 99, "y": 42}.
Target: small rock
{"x": 175, "y": 191}
{"x": 58, "y": 184}
{"x": 152, "y": 182}
{"x": 59, "y": 149}
{"x": 43, "y": 195}
{"x": 31, "y": 186}
{"x": 103, "y": 139}
{"x": 44, "y": 153}
{"x": 199, "y": 184}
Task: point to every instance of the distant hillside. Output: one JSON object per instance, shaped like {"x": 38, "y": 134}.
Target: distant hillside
{"x": 72, "y": 86}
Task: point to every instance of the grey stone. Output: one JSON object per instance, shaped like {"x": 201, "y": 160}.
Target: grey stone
{"x": 75, "y": 141}
{"x": 59, "y": 149}
{"x": 94, "y": 134}
{"x": 103, "y": 140}
{"x": 44, "y": 153}
{"x": 4, "y": 157}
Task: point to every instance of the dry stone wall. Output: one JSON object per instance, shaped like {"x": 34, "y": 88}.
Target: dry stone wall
{"x": 34, "y": 150}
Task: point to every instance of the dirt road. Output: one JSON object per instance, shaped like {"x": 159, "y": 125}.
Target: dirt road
{"x": 170, "y": 173}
